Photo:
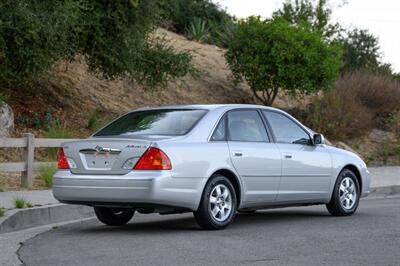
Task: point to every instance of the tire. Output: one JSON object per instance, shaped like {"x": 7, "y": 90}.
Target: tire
{"x": 114, "y": 216}
{"x": 219, "y": 197}
{"x": 346, "y": 194}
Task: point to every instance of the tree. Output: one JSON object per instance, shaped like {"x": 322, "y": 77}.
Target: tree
{"x": 272, "y": 55}
{"x": 306, "y": 13}
{"x": 114, "y": 36}
{"x": 361, "y": 48}
{"x": 362, "y": 52}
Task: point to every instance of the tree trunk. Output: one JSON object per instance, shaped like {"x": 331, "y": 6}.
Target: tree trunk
{"x": 267, "y": 96}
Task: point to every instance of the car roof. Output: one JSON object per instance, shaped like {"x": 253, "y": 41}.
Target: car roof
{"x": 208, "y": 106}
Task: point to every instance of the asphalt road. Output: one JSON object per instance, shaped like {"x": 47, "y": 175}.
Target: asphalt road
{"x": 293, "y": 236}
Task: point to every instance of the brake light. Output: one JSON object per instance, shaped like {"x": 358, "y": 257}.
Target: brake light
{"x": 62, "y": 160}
{"x": 153, "y": 159}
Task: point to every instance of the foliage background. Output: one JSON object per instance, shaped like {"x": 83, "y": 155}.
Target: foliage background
{"x": 113, "y": 36}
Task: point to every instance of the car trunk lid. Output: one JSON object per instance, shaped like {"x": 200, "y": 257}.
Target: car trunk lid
{"x": 104, "y": 155}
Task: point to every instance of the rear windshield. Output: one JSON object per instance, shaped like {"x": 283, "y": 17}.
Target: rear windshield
{"x": 169, "y": 122}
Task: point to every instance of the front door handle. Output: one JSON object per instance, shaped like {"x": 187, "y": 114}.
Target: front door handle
{"x": 237, "y": 154}
{"x": 287, "y": 156}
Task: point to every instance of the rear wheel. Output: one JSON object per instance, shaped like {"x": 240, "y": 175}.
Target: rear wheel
{"x": 346, "y": 195}
{"x": 218, "y": 204}
{"x": 114, "y": 216}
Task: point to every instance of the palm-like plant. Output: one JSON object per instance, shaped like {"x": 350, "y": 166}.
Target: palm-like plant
{"x": 197, "y": 30}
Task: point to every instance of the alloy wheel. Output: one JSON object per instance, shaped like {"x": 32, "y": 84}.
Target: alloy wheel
{"x": 220, "y": 204}
{"x": 347, "y": 193}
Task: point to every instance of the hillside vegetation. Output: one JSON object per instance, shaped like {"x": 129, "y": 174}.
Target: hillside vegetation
{"x": 72, "y": 94}
{"x": 73, "y": 102}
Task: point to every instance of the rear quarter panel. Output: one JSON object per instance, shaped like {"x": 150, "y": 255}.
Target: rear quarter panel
{"x": 194, "y": 162}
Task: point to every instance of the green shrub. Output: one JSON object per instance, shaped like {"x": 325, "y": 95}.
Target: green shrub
{"x": 272, "y": 55}
{"x": 3, "y": 97}
{"x": 33, "y": 34}
{"x": 222, "y": 35}
{"x": 56, "y": 131}
{"x": 114, "y": 37}
{"x": 389, "y": 150}
{"x": 2, "y": 211}
{"x": 46, "y": 174}
{"x": 197, "y": 30}
{"x": 179, "y": 15}
{"x": 93, "y": 123}
{"x": 315, "y": 15}
{"x": 394, "y": 123}
{"x": 362, "y": 52}
{"x": 21, "y": 203}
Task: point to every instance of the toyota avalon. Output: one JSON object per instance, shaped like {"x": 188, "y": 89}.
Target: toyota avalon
{"x": 212, "y": 160}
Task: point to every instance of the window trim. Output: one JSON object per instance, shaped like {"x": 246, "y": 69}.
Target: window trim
{"x": 291, "y": 119}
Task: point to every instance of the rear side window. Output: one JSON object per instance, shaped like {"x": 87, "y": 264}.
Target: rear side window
{"x": 246, "y": 125}
{"x": 169, "y": 122}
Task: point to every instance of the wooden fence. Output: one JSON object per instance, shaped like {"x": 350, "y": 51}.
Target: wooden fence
{"x": 27, "y": 167}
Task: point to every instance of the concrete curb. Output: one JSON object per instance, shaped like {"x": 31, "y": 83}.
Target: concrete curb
{"x": 19, "y": 219}
{"x": 383, "y": 192}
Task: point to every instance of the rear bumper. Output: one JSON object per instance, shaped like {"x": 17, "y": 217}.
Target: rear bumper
{"x": 136, "y": 187}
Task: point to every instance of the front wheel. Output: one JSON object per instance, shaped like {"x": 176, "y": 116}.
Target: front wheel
{"x": 114, "y": 216}
{"x": 346, "y": 195}
{"x": 218, "y": 204}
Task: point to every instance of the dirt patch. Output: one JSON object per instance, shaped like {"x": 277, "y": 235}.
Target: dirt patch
{"x": 12, "y": 182}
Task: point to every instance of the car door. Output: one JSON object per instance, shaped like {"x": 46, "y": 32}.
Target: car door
{"x": 255, "y": 158}
{"x": 306, "y": 168}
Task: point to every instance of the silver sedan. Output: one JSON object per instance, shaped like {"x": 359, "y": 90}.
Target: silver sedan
{"x": 212, "y": 160}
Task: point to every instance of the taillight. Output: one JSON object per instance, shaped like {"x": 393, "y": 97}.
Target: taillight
{"x": 153, "y": 159}
{"x": 62, "y": 160}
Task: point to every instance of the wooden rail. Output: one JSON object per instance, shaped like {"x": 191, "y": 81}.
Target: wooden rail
{"x": 27, "y": 167}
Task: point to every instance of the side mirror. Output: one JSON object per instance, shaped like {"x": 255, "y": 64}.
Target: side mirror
{"x": 318, "y": 139}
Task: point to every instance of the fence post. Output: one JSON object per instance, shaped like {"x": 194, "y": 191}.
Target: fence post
{"x": 27, "y": 176}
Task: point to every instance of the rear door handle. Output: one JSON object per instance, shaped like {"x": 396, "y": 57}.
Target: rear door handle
{"x": 287, "y": 156}
{"x": 237, "y": 154}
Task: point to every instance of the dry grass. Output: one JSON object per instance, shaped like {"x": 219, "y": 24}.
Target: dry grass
{"x": 46, "y": 173}
{"x": 359, "y": 103}
{"x": 12, "y": 182}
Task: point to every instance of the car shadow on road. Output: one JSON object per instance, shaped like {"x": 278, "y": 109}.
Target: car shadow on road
{"x": 186, "y": 222}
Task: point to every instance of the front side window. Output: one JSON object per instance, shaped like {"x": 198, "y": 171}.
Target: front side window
{"x": 169, "y": 122}
{"x": 246, "y": 125}
{"x": 285, "y": 129}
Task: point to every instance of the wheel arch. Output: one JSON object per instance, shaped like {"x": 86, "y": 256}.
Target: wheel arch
{"x": 234, "y": 180}
{"x": 355, "y": 170}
